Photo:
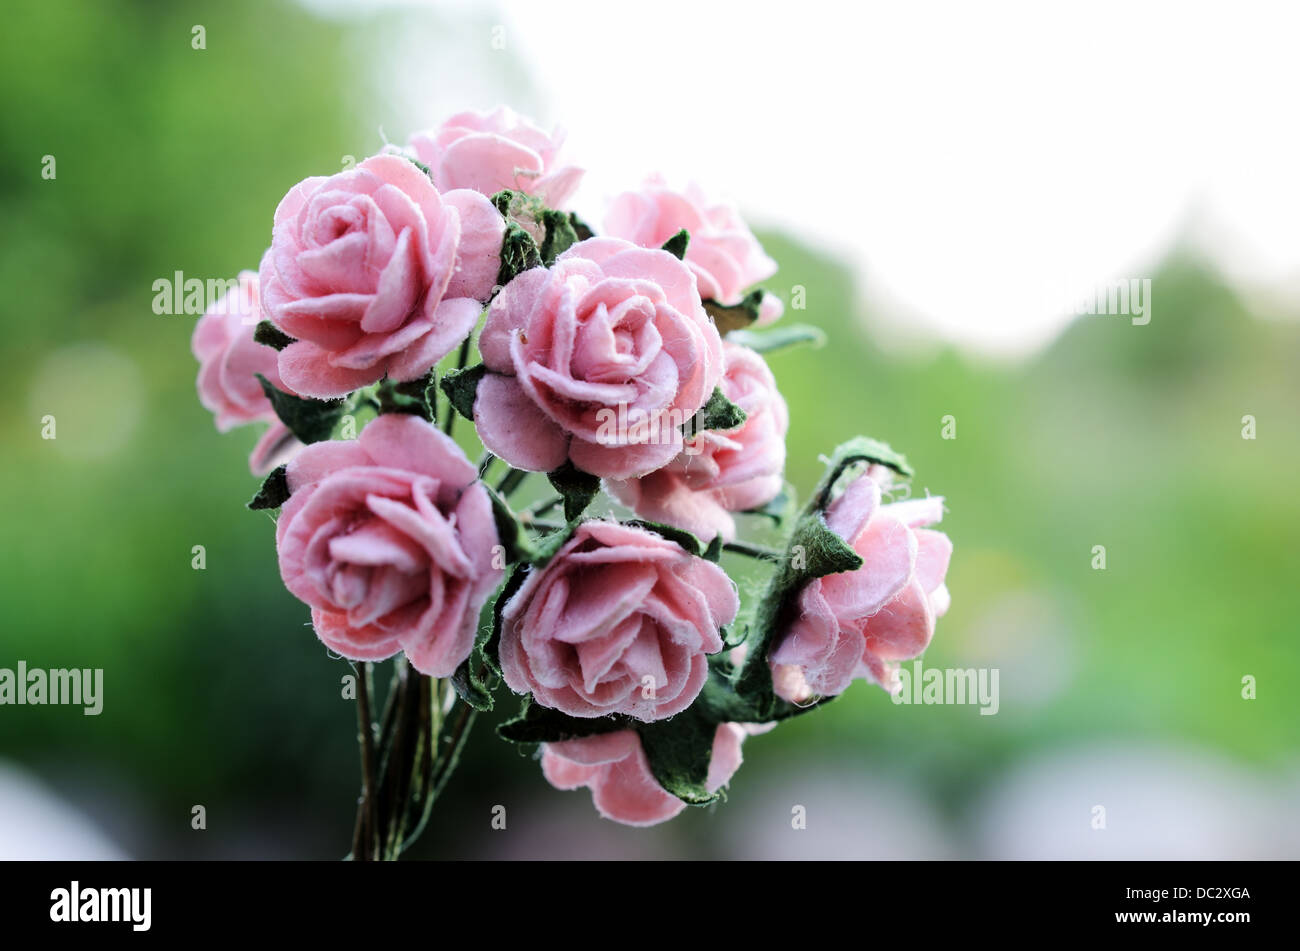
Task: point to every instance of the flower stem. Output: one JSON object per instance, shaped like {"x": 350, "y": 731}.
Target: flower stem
{"x": 365, "y": 844}
{"x": 762, "y": 553}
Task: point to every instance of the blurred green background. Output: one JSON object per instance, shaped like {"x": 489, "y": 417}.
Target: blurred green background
{"x": 1114, "y": 683}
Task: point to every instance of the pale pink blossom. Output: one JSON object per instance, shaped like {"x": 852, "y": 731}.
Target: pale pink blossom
{"x": 492, "y": 151}
{"x": 620, "y": 620}
{"x": 610, "y": 333}
{"x": 614, "y": 767}
{"x": 724, "y": 254}
{"x": 375, "y": 273}
{"x": 229, "y": 362}
{"x": 720, "y": 471}
{"x": 389, "y": 539}
{"x": 861, "y": 623}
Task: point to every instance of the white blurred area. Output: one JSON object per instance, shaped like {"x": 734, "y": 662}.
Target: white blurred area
{"x": 37, "y": 825}
{"x": 968, "y": 160}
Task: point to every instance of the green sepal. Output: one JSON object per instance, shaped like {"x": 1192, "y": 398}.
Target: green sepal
{"x": 274, "y": 491}
{"x": 578, "y": 488}
{"x": 718, "y": 413}
{"x": 729, "y": 317}
{"x": 461, "y": 386}
{"x": 308, "y": 419}
{"x": 268, "y": 334}
{"x": 677, "y": 244}
{"x": 415, "y": 397}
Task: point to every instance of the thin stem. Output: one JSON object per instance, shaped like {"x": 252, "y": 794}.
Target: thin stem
{"x": 461, "y": 360}
{"x": 762, "y": 553}
{"x": 366, "y": 728}
{"x": 538, "y": 509}
{"x": 485, "y": 463}
{"x": 459, "y": 734}
{"x": 511, "y": 481}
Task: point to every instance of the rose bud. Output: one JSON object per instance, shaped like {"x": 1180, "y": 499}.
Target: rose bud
{"x": 860, "y": 623}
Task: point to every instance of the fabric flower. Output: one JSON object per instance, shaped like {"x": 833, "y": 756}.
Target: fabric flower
{"x": 599, "y": 359}
{"x": 620, "y": 620}
{"x": 389, "y": 539}
{"x": 724, "y": 254}
{"x": 720, "y": 471}
{"x": 860, "y": 623}
{"x": 492, "y": 151}
{"x": 229, "y": 361}
{"x": 614, "y": 767}
{"x": 374, "y": 272}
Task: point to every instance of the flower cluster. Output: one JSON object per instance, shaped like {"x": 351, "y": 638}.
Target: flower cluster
{"x": 451, "y": 279}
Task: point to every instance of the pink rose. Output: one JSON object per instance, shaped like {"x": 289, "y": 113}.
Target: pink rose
{"x": 389, "y": 539}
{"x": 599, "y": 359}
{"x": 376, "y": 273}
{"x": 614, "y": 767}
{"x": 493, "y": 151}
{"x": 229, "y": 361}
{"x": 858, "y": 623}
{"x": 720, "y": 471}
{"x": 620, "y": 620}
{"x": 724, "y": 254}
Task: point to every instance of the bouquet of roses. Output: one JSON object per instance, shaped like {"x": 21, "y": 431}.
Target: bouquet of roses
{"x": 629, "y": 361}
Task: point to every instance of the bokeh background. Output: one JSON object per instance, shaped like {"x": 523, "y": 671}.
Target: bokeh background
{"x": 919, "y": 181}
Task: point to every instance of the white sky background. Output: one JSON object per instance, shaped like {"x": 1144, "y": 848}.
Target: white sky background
{"x": 970, "y": 161}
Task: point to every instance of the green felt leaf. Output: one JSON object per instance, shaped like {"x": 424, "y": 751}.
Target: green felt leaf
{"x": 560, "y": 235}
{"x": 537, "y": 724}
{"x": 813, "y": 552}
{"x": 685, "y": 539}
{"x": 270, "y": 335}
{"x": 274, "y": 491}
{"x": 417, "y": 163}
{"x": 461, "y": 386}
{"x": 414, "y": 397}
{"x": 735, "y": 316}
{"x": 309, "y": 420}
{"x": 677, "y": 244}
{"x": 519, "y": 253}
{"x": 580, "y": 227}
{"x": 779, "y": 337}
{"x": 518, "y": 544}
{"x": 479, "y": 674}
{"x": 718, "y": 413}
{"x": 578, "y": 488}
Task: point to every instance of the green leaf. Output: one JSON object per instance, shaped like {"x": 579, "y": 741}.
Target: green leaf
{"x": 580, "y": 227}
{"x": 718, "y": 413}
{"x": 537, "y": 724}
{"x": 274, "y": 491}
{"x": 677, "y": 244}
{"x": 461, "y": 386}
{"x": 679, "y": 535}
{"x": 414, "y": 397}
{"x": 778, "y": 338}
{"x": 310, "y": 420}
{"x": 560, "y": 235}
{"x": 519, "y": 253}
{"x": 735, "y": 316}
{"x": 577, "y": 487}
{"x": 479, "y": 674}
{"x": 417, "y": 163}
{"x": 270, "y": 335}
